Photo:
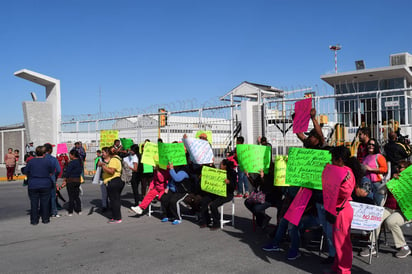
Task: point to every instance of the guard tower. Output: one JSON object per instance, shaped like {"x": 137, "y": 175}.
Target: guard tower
{"x": 42, "y": 119}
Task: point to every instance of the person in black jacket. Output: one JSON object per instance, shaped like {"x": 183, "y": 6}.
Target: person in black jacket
{"x": 72, "y": 182}
{"x": 213, "y": 201}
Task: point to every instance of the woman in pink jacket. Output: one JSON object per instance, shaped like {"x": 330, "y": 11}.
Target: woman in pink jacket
{"x": 341, "y": 228}
{"x": 157, "y": 188}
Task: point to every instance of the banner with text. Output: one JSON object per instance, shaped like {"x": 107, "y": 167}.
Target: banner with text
{"x": 107, "y": 137}
{"x": 305, "y": 167}
{"x": 365, "y": 216}
{"x": 280, "y": 170}
{"x": 200, "y": 150}
{"x": 213, "y": 181}
{"x": 402, "y": 191}
{"x": 61, "y": 149}
{"x": 150, "y": 154}
{"x": 253, "y": 158}
{"x": 174, "y": 153}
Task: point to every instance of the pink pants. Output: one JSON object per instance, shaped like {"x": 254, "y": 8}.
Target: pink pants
{"x": 342, "y": 242}
{"x": 150, "y": 196}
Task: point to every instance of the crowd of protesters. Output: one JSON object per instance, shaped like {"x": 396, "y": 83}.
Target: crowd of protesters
{"x": 115, "y": 166}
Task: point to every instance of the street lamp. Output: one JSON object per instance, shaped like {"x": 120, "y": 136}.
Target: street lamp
{"x": 335, "y": 48}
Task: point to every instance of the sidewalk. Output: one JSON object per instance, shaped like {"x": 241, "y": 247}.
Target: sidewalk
{"x": 3, "y": 174}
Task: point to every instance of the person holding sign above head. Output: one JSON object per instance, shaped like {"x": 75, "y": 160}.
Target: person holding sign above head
{"x": 214, "y": 201}
{"x": 393, "y": 218}
{"x": 316, "y": 140}
{"x": 337, "y": 194}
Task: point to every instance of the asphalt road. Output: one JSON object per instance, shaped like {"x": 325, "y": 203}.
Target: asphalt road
{"x": 87, "y": 244}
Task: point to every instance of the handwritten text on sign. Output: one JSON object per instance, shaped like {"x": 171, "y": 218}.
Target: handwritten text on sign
{"x": 200, "y": 151}
{"x": 213, "y": 181}
{"x": 107, "y": 137}
{"x": 366, "y": 217}
{"x": 174, "y": 153}
{"x": 280, "y": 170}
{"x": 253, "y": 158}
{"x": 150, "y": 154}
{"x": 305, "y": 167}
{"x": 402, "y": 191}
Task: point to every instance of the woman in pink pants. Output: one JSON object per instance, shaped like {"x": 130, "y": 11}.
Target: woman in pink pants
{"x": 157, "y": 187}
{"x": 341, "y": 228}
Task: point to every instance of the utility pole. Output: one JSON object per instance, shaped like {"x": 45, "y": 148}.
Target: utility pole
{"x": 335, "y": 48}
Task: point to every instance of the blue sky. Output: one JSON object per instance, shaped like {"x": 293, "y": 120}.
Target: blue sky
{"x": 155, "y": 52}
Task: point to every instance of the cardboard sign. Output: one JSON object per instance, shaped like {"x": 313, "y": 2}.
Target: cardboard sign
{"x": 150, "y": 154}
{"x": 213, "y": 181}
{"x": 402, "y": 191}
{"x": 61, "y": 149}
{"x": 298, "y": 206}
{"x": 332, "y": 177}
{"x": 280, "y": 170}
{"x": 305, "y": 167}
{"x": 253, "y": 158}
{"x": 302, "y": 115}
{"x": 107, "y": 137}
{"x": 366, "y": 217}
{"x": 174, "y": 153}
{"x": 126, "y": 143}
{"x": 200, "y": 150}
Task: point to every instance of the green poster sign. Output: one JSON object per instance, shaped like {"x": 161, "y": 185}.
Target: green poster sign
{"x": 150, "y": 154}
{"x": 402, "y": 191}
{"x": 280, "y": 170}
{"x": 147, "y": 168}
{"x": 253, "y": 158}
{"x": 305, "y": 167}
{"x": 126, "y": 143}
{"x": 174, "y": 153}
{"x": 213, "y": 181}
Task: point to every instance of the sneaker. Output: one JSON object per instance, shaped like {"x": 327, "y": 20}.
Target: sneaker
{"x": 271, "y": 247}
{"x": 365, "y": 252}
{"x": 137, "y": 209}
{"x": 79, "y": 213}
{"x": 112, "y": 221}
{"x": 293, "y": 255}
{"x": 164, "y": 220}
{"x": 70, "y": 214}
{"x": 56, "y": 216}
{"x": 176, "y": 222}
{"x": 403, "y": 252}
{"x": 239, "y": 195}
{"x": 246, "y": 195}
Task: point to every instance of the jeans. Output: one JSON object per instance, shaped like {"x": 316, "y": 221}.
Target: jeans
{"x": 53, "y": 205}
{"x": 327, "y": 229}
{"x": 39, "y": 197}
{"x": 258, "y": 210}
{"x": 114, "y": 189}
{"x": 242, "y": 182}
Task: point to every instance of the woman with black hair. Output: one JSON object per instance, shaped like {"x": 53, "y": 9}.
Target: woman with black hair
{"x": 341, "y": 228}
{"x": 213, "y": 201}
{"x": 72, "y": 182}
{"x": 375, "y": 166}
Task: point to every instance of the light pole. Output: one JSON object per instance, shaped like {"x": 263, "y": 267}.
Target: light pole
{"x": 335, "y": 48}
